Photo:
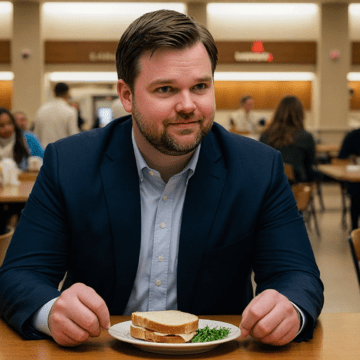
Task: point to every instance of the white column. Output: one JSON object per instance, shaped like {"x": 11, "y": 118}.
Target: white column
{"x": 331, "y": 96}
{"x": 28, "y": 81}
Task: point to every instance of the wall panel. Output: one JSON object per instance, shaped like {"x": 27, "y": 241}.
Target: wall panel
{"x": 266, "y": 94}
{"x": 6, "y": 94}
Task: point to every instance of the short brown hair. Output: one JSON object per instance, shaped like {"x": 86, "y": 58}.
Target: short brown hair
{"x": 156, "y": 30}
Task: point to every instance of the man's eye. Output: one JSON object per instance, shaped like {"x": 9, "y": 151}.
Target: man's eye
{"x": 201, "y": 86}
{"x": 164, "y": 89}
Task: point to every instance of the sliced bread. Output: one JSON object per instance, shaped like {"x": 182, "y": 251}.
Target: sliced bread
{"x": 166, "y": 322}
{"x": 150, "y": 335}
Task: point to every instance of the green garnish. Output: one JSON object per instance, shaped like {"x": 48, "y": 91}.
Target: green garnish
{"x": 206, "y": 334}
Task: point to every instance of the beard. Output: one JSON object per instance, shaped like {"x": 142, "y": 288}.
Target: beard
{"x": 164, "y": 141}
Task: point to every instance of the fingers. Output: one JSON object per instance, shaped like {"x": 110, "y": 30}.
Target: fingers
{"x": 270, "y": 318}
{"x": 79, "y": 313}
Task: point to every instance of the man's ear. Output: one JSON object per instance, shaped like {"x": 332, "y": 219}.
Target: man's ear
{"x": 125, "y": 95}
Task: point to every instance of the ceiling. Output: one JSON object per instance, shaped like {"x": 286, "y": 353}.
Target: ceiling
{"x": 200, "y": 1}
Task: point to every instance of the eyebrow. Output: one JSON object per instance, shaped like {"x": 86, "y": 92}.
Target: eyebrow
{"x": 170, "y": 81}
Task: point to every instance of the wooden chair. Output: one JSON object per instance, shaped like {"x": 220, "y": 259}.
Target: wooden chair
{"x": 345, "y": 199}
{"x": 4, "y": 243}
{"x": 303, "y": 193}
{"x": 354, "y": 241}
{"x": 289, "y": 172}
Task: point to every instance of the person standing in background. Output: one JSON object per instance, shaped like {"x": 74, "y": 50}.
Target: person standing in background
{"x": 56, "y": 119}
{"x": 36, "y": 149}
{"x": 349, "y": 148}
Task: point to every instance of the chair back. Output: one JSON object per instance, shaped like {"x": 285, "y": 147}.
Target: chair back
{"x": 289, "y": 172}
{"x": 4, "y": 243}
{"x": 354, "y": 241}
{"x": 302, "y": 193}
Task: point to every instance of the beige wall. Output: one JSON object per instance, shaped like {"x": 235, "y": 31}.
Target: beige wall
{"x": 239, "y": 26}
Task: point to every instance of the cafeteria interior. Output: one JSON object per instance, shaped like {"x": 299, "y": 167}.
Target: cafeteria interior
{"x": 323, "y": 64}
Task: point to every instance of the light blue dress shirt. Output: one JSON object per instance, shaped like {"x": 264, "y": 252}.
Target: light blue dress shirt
{"x": 162, "y": 203}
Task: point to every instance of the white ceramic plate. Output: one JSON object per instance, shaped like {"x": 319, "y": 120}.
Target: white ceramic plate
{"x": 121, "y": 332}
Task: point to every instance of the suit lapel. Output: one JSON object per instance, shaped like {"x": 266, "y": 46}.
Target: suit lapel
{"x": 121, "y": 187}
{"x": 202, "y": 199}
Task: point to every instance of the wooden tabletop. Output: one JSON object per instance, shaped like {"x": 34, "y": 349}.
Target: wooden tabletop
{"x": 327, "y": 148}
{"x": 336, "y": 337}
{"x": 339, "y": 172}
{"x": 16, "y": 193}
{"x": 28, "y": 175}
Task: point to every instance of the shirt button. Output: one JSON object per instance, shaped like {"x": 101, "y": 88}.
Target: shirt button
{"x": 158, "y": 282}
{"x": 160, "y": 258}
{"x": 162, "y": 225}
{"x": 151, "y": 173}
{"x": 165, "y": 198}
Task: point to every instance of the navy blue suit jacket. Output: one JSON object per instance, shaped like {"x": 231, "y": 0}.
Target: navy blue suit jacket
{"x": 83, "y": 216}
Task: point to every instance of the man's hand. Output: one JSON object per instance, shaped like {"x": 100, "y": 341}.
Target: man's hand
{"x": 79, "y": 313}
{"x": 271, "y": 318}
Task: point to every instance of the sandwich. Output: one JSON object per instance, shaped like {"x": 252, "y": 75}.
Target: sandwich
{"x": 170, "y": 326}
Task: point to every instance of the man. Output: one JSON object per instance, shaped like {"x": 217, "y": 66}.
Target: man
{"x": 351, "y": 148}
{"x": 161, "y": 210}
{"x": 33, "y": 142}
{"x": 243, "y": 119}
{"x": 56, "y": 119}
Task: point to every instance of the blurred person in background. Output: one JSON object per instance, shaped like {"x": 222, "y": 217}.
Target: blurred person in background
{"x": 286, "y": 133}
{"x": 244, "y": 120}
{"x": 12, "y": 146}
{"x": 12, "y": 141}
{"x": 56, "y": 119}
{"x": 80, "y": 120}
{"x": 351, "y": 148}
{"x": 34, "y": 144}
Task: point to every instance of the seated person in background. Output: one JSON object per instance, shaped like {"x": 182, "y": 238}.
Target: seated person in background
{"x": 162, "y": 209}
{"x": 243, "y": 120}
{"x": 36, "y": 149}
{"x": 286, "y": 133}
{"x": 12, "y": 141}
{"x": 12, "y": 146}
{"x": 349, "y": 148}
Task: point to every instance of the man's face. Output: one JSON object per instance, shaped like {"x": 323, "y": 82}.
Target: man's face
{"x": 173, "y": 103}
{"x": 21, "y": 121}
{"x": 248, "y": 105}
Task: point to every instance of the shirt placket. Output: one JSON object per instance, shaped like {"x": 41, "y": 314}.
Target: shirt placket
{"x": 161, "y": 250}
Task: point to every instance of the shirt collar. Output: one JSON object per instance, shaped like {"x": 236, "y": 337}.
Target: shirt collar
{"x": 141, "y": 164}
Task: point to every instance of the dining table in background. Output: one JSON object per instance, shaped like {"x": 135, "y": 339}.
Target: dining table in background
{"x": 336, "y": 337}
{"x": 16, "y": 193}
{"x": 342, "y": 174}
{"x": 28, "y": 175}
{"x": 326, "y": 152}
{"x": 13, "y": 194}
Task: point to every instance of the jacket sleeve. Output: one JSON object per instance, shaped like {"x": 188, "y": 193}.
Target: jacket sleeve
{"x": 36, "y": 260}
{"x": 283, "y": 257}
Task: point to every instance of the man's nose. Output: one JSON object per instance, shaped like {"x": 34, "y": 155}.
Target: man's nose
{"x": 185, "y": 103}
